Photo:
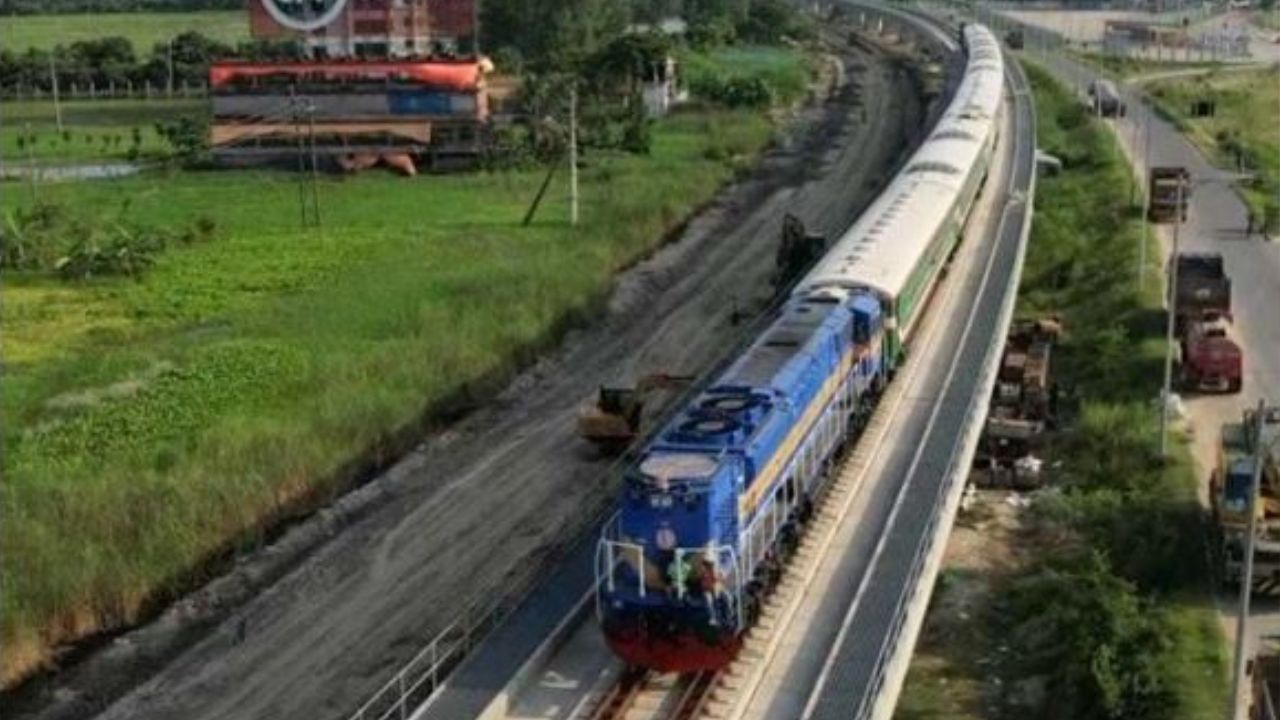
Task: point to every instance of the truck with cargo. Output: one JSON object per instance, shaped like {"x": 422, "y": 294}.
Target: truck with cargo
{"x": 1229, "y": 489}
{"x": 1023, "y": 406}
{"x": 1208, "y": 356}
{"x": 1204, "y": 288}
{"x": 1163, "y": 195}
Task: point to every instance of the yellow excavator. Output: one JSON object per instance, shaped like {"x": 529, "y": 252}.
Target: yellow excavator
{"x": 613, "y": 420}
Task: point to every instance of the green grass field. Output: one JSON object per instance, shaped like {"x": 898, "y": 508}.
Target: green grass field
{"x": 785, "y": 71}
{"x": 148, "y": 422}
{"x": 92, "y": 129}
{"x": 144, "y": 29}
{"x": 1248, "y": 104}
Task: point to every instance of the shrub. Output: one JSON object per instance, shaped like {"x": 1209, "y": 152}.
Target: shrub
{"x": 188, "y": 138}
{"x": 1100, "y": 645}
{"x": 50, "y": 238}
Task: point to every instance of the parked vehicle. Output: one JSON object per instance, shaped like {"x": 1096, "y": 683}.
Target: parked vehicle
{"x": 1209, "y": 357}
{"x": 1204, "y": 289}
{"x": 1105, "y": 100}
{"x": 1163, "y": 193}
{"x": 1230, "y": 487}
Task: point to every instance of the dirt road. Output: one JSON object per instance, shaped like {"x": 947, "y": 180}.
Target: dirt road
{"x": 477, "y": 503}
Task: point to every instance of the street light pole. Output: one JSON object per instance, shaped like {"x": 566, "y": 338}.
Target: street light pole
{"x": 1171, "y": 305}
{"x": 573, "y": 155}
{"x": 1146, "y": 202}
{"x": 53, "y": 81}
{"x": 1246, "y": 579}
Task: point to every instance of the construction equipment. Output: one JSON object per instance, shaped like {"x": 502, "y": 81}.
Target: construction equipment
{"x": 1162, "y": 191}
{"x": 613, "y": 420}
{"x": 1229, "y": 489}
{"x": 797, "y": 252}
{"x": 1023, "y": 405}
{"x": 1209, "y": 358}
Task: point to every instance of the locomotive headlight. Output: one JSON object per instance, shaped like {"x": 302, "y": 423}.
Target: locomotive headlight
{"x": 660, "y": 501}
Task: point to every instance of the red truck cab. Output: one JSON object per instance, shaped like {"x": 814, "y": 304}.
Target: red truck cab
{"x": 1211, "y": 359}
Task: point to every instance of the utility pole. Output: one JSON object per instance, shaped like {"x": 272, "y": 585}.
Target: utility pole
{"x": 1146, "y": 201}
{"x": 315, "y": 164}
{"x": 1171, "y": 304}
{"x": 53, "y": 79}
{"x": 169, "y": 84}
{"x": 31, "y": 169}
{"x": 1246, "y": 579}
{"x": 573, "y": 155}
{"x": 302, "y": 165}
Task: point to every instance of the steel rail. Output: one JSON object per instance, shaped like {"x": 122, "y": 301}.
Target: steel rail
{"x": 872, "y": 691}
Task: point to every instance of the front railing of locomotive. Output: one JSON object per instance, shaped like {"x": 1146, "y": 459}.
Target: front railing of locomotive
{"x": 630, "y": 578}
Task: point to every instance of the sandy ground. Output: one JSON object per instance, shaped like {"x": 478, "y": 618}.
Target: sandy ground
{"x": 477, "y": 504}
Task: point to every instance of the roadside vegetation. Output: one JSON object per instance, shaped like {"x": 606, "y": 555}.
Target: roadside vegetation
{"x": 185, "y": 367}
{"x": 1121, "y": 67}
{"x": 1103, "y": 610}
{"x": 1241, "y": 135}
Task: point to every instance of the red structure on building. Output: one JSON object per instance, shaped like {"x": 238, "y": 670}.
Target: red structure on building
{"x": 389, "y": 79}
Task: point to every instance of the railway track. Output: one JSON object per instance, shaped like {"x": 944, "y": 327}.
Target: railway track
{"x": 644, "y": 695}
{"x": 638, "y": 694}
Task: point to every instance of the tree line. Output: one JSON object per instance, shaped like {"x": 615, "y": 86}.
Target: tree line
{"x": 113, "y": 61}
{"x": 59, "y": 7}
{"x": 564, "y": 33}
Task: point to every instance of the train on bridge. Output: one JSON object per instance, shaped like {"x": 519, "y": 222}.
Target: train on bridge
{"x": 716, "y": 499}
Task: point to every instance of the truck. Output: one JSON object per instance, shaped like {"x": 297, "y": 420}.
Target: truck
{"x": 1204, "y": 288}
{"x": 1209, "y": 359}
{"x": 1208, "y": 356}
{"x": 1230, "y": 486}
{"x": 1162, "y": 194}
{"x": 1023, "y": 406}
{"x": 1105, "y": 100}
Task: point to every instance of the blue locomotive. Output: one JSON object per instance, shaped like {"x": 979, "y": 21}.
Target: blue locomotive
{"x": 718, "y": 496}
{"x": 731, "y": 477}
